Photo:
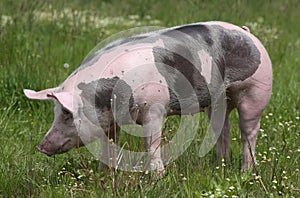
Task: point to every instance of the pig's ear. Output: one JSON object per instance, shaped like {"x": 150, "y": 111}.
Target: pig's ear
{"x": 40, "y": 95}
{"x": 64, "y": 98}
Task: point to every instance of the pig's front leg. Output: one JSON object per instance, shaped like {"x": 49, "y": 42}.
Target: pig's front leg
{"x": 108, "y": 156}
{"x": 152, "y": 130}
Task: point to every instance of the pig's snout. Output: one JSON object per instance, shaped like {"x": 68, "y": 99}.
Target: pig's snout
{"x": 43, "y": 150}
{"x": 50, "y": 148}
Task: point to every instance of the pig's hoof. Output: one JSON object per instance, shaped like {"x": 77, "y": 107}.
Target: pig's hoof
{"x": 156, "y": 166}
{"x": 247, "y": 167}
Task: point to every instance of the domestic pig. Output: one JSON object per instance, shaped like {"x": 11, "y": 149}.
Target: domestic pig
{"x": 139, "y": 80}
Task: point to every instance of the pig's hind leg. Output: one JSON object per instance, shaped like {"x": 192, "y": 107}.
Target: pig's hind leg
{"x": 250, "y": 108}
{"x": 223, "y": 141}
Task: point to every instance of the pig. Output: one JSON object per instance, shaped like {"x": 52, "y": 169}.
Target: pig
{"x": 137, "y": 80}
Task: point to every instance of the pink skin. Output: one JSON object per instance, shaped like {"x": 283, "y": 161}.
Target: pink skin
{"x": 250, "y": 97}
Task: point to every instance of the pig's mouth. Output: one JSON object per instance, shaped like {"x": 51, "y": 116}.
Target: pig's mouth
{"x": 41, "y": 149}
{"x": 62, "y": 149}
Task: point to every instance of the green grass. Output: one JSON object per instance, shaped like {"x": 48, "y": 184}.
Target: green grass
{"x": 34, "y": 49}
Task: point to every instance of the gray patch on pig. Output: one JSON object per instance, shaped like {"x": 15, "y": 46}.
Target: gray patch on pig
{"x": 98, "y": 96}
{"x": 188, "y": 40}
{"x": 182, "y": 45}
{"x": 187, "y": 69}
{"x": 241, "y": 57}
{"x": 197, "y": 30}
{"x": 233, "y": 53}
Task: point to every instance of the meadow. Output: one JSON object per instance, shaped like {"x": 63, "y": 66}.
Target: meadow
{"x": 42, "y": 42}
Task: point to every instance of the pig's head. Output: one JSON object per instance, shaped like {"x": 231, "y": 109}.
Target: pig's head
{"x": 63, "y": 135}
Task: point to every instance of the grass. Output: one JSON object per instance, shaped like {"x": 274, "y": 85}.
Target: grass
{"x": 38, "y": 37}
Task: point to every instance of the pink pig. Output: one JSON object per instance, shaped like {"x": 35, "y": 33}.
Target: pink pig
{"x": 139, "y": 77}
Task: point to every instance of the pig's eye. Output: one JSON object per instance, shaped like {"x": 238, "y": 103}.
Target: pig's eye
{"x": 65, "y": 111}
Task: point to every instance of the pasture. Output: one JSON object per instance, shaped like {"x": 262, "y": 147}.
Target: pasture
{"x": 42, "y": 42}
